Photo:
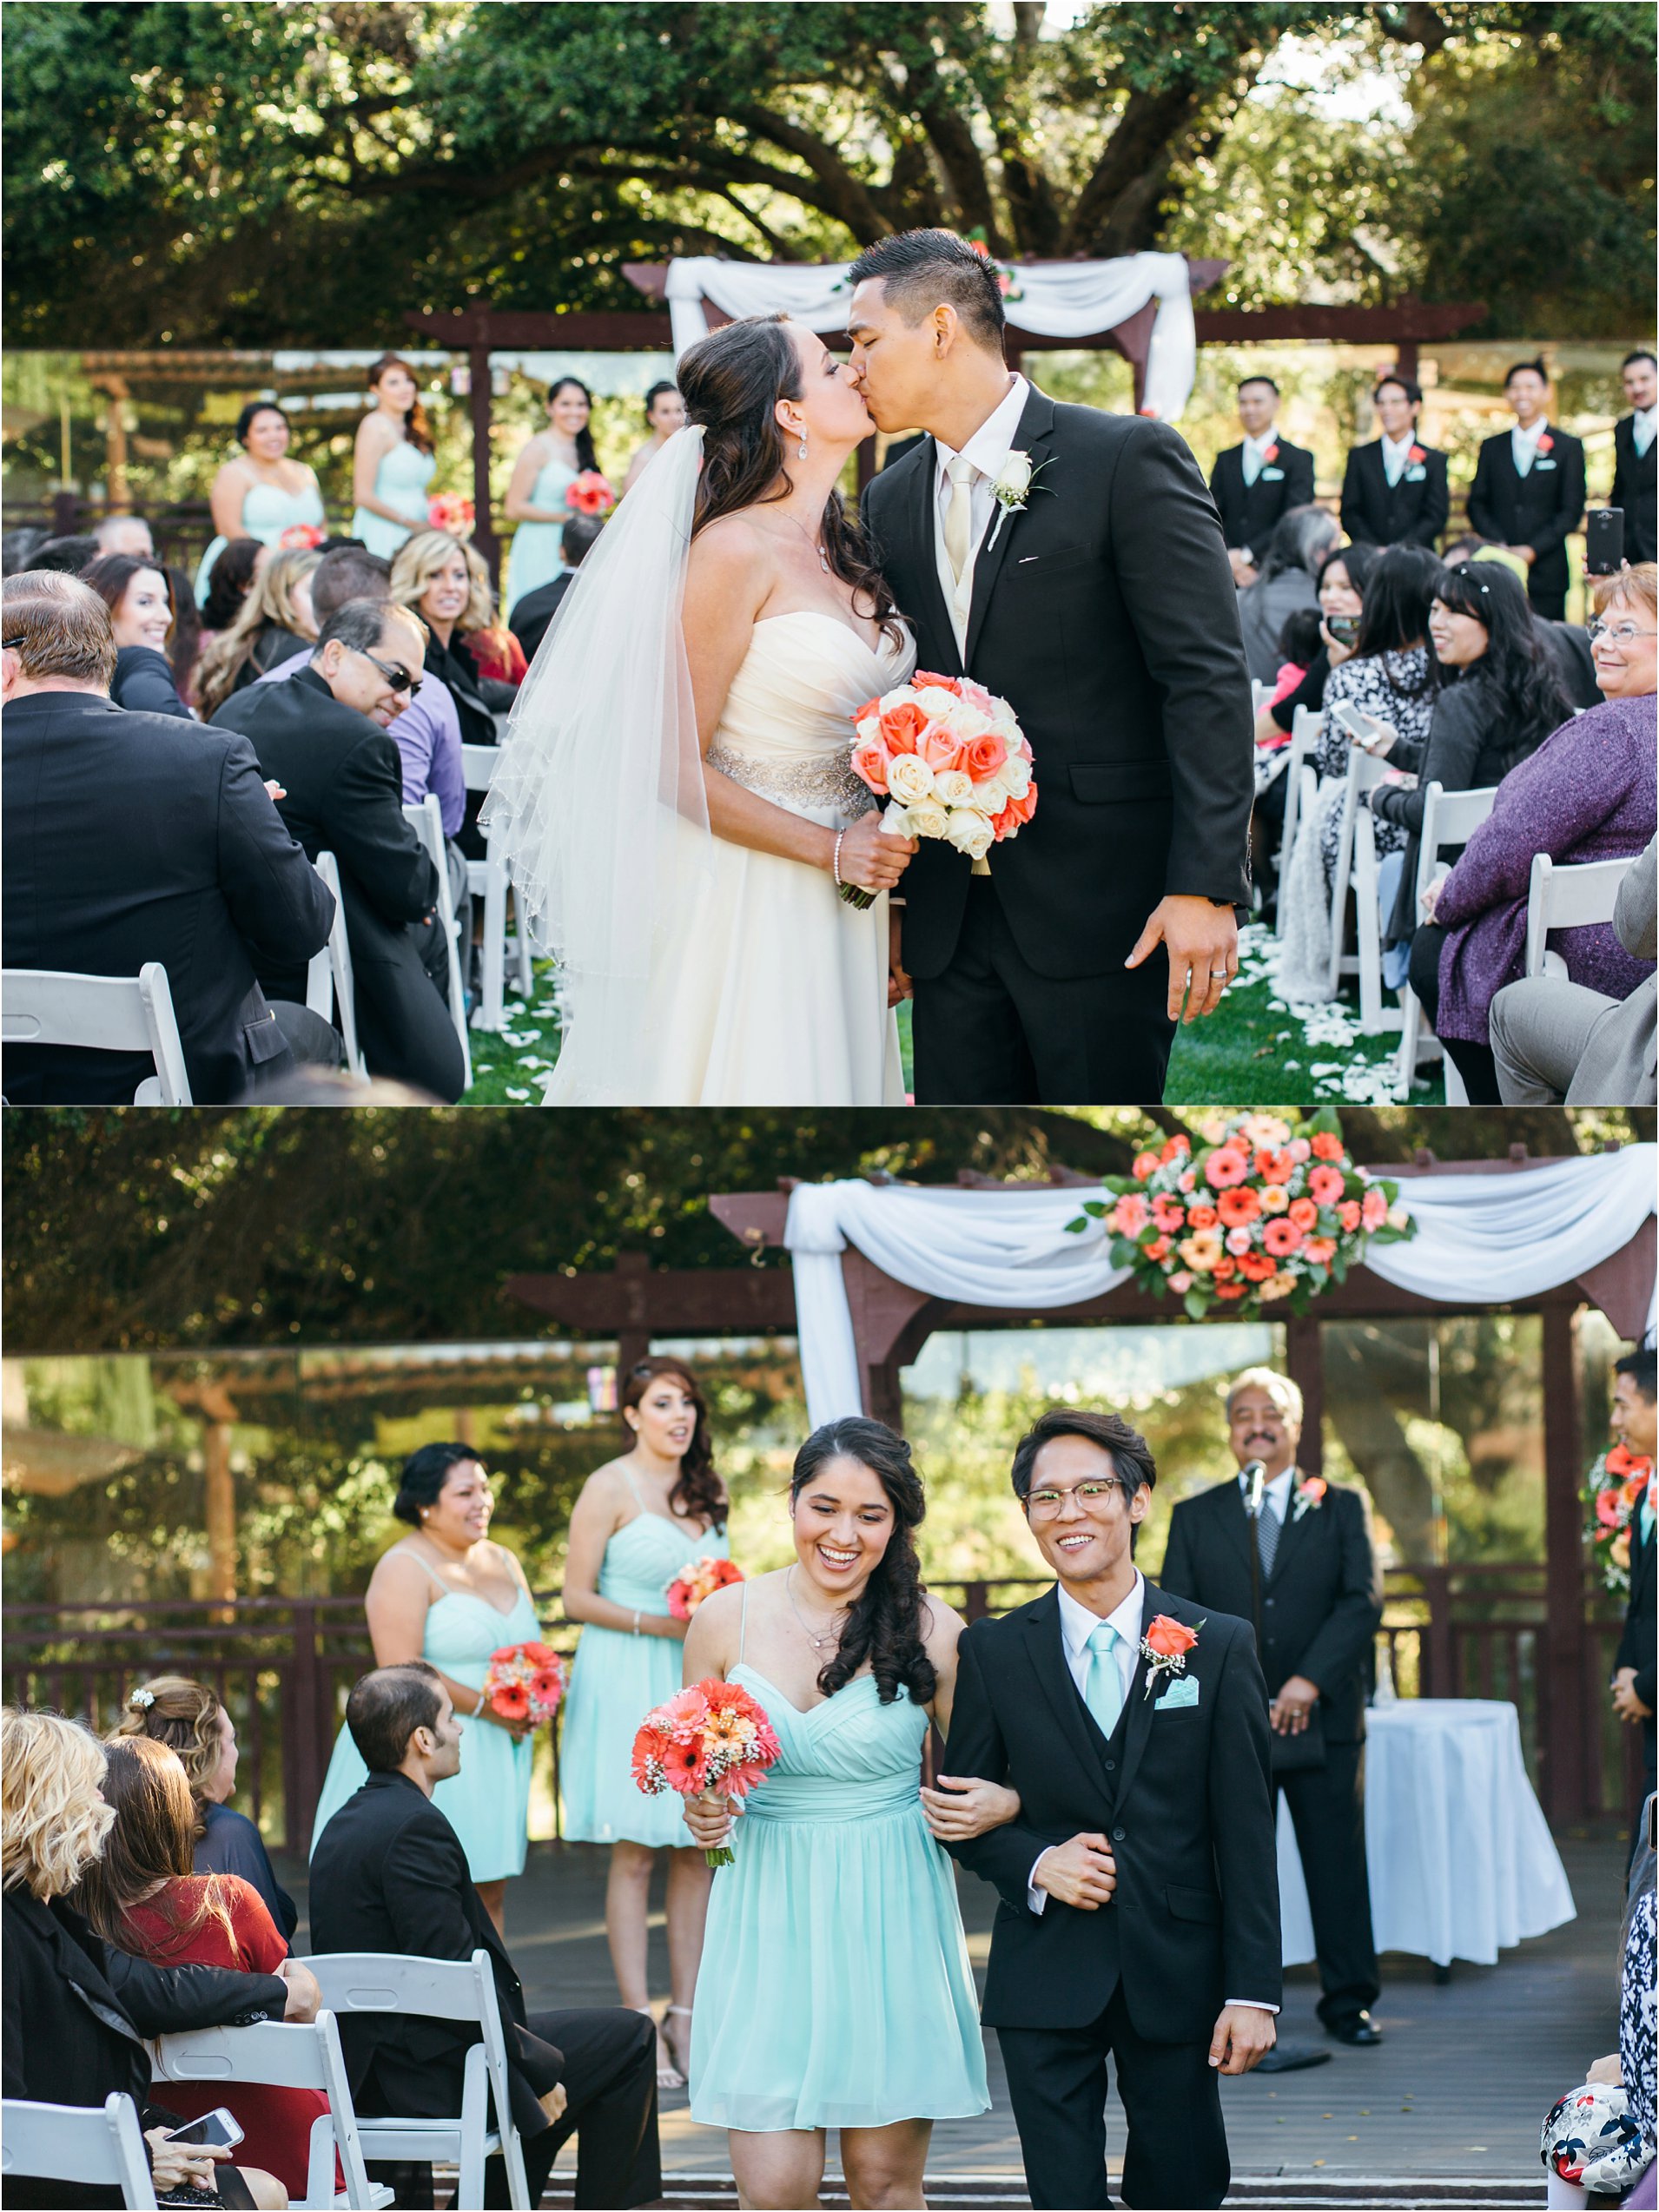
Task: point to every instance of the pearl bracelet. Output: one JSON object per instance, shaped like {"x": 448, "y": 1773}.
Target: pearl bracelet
{"x": 835, "y": 864}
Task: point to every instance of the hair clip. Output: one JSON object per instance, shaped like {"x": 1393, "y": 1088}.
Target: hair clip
{"x": 143, "y": 1699}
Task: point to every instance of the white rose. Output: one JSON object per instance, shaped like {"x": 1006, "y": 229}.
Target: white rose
{"x": 869, "y": 729}
{"x": 951, "y": 787}
{"x": 1015, "y": 476}
{"x": 992, "y": 793}
{"x": 896, "y": 823}
{"x": 909, "y": 778}
{"x": 1014, "y": 776}
{"x": 970, "y": 832}
{"x": 935, "y": 701}
{"x": 929, "y": 820}
{"x": 964, "y": 719}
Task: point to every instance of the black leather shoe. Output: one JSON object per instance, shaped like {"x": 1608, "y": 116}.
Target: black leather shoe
{"x": 1362, "y": 2029}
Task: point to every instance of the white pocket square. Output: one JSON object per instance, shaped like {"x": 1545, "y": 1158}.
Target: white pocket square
{"x": 1179, "y": 1695}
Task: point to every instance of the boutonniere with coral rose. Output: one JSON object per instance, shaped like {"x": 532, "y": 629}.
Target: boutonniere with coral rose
{"x": 1310, "y": 1495}
{"x": 1011, "y": 486}
{"x": 1416, "y": 454}
{"x": 1546, "y": 444}
{"x": 1164, "y": 1647}
{"x": 1270, "y": 452}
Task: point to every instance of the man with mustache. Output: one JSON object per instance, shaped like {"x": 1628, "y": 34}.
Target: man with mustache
{"x": 1317, "y": 1603}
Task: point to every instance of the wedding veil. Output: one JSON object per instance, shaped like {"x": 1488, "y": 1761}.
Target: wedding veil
{"x": 597, "y": 802}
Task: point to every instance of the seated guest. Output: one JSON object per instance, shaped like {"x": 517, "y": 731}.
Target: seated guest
{"x": 1567, "y": 641}
{"x": 184, "y": 647}
{"x": 189, "y": 1719}
{"x": 276, "y": 623}
{"x": 448, "y": 586}
{"x": 1256, "y": 484}
{"x": 1556, "y": 1043}
{"x": 17, "y": 545}
{"x": 1587, "y": 794}
{"x": 233, "y": 576}
{"x": 68, "y": 556}
{"x": 1388, "y": 675}
{"x": 1300, "y": 642}
{"x": 1341, "y": 582}
{"x": 1527, "y": 494}
{"x": 128, "y": 534}
{"x": 77, "y": 2011}
{"x": 1295, "y": 554}
{"x": 140, "y": 600}
{"x": 537, "y": 609}
{"x": 1394, "y": 489}
{"x": 134, "y": 837}
{"x": 324, "y": 737}
{"x": 388, "y": 1873}
{"x": 144, "y": 1897}
{"x": 1635, "y": 461}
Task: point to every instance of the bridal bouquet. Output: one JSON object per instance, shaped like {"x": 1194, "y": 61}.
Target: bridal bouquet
{"x": 1614, "y": 1492}
{"x": 711, "y": 1736}
{"x": 1265, "y": 1208}
{"x": 591, "y": 493}
{"x": 701, "y": 1579}
{"x": 451, "y": 511}
{"x": 526, "y": 1682}
{"x": 951, "y": 762}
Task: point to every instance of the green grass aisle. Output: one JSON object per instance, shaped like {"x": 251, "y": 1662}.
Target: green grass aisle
{"x": 1257, "y": 1051}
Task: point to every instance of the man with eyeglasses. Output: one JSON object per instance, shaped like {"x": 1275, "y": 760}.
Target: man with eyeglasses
{"x": 324, "y": 736}
{"x": 1313, "y": 1589}
{"x": 1140, "y": 1889}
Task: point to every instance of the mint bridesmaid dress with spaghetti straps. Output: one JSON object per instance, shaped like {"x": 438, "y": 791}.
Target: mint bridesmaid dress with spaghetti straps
{"x": 618, "y": 1677}
{"x": 835, "y": 1989}
{"x": 487, "y": 1804}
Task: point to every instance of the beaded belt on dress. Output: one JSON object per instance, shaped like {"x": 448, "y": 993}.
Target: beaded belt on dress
{"x": 825, "y": 780}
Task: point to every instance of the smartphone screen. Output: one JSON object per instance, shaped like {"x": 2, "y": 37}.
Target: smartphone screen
{"x": 215, "y": 2130}
{"x": 1604, "y": 541}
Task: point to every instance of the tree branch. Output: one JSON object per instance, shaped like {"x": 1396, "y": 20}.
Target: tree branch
{"x": 951, "y": 139}
{"x": 841, "y": 192}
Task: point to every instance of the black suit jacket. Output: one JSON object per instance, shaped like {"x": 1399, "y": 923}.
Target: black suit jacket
{"x": 531, "y": 614}
{"x": 1106, "y": 615}
{"x": 133, "y": 837}
{"x": 1541, "y": 508}
{"x": 1412, "y": 512}
{"x": 1641, "y": 1620}
{"x": 1250, "y": 514}
{"x": 1321, "y": 1605}
{"x": 389, "y": 1874}
{"x": 1634, "y": 489}
{"x": 1184, "y": 1796}
{"x": 344, "y": 780}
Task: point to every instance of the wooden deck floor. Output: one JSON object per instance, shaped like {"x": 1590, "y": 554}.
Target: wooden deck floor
{"x": 1452, "y": 2099}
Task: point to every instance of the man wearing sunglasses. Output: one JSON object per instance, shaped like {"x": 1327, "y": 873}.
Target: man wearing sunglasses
{"x": 324, "y": 738}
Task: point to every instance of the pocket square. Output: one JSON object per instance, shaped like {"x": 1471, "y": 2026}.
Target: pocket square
{"x": 1415, "y": 475}
{"x": 1272, "y": 476}
{"x": 1180, "y": 1694}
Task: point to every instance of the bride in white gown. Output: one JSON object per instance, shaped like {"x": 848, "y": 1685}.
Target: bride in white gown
{"x": 674, "y": 796}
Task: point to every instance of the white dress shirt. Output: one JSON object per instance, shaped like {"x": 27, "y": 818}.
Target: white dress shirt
{"x": 1396, "y": 453}
{"x": 1253, "y": 458}
{"x": 1523, "y": 445}
{"x": 988, "y": 449}
{"x": 1642, "y": 428}
{"x": 1276, "y": 1494}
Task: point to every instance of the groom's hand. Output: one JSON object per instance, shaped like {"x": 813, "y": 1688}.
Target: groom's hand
{"x": 1202, "y": 941}
{"x": 1081, "y": 1872}
{"x": 1244, "y": 2035}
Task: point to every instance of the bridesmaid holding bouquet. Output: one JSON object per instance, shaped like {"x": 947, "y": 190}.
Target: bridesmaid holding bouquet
{"x": 639, "y": 1523}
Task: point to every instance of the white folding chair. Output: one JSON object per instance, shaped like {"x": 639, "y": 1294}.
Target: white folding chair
{"x": 106, "y": 1014}
{"x": 304, "y": 2056}
{"x": 1449, "y": 818}
{"x": 437, "y": 1989}
{"x": 1260, "y": 694}
{"x": 330, "y": 990}
{"x": 100, "y": 2145}
{"x": 1567, "y": 898}
{"x": 487, "y": 879}
{"x": 1300, "y": 783}
{"x": 1356, "y": 871}
{"x": 426, "y": 820}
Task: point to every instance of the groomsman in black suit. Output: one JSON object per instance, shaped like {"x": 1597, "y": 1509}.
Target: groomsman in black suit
{"x": 1320, "y": 1605}
{"x": 1254, "y": 483}
{"x": 1394, "y": 489}
{"x": 1528, "y": 489}
{"x": 1634, "y": 459}
{"x": 1635, "y": 1423}
{"x": 1140, "y": 1888}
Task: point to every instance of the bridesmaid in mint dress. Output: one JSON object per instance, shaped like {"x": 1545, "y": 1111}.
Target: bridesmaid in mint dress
{"x": 262, "y": 492}
{"x": 450, "y": 1596}
{"x": 392, "y": 461}
{"x": 639, "y": 1523}
{"x": 836, "y": 1990}
{"x": 543, "y": 473}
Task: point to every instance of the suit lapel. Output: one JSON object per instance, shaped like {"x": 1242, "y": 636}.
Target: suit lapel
{"x": 1239, "y": 1526}
{"x": 930, "y": 612}
{"x": 1291, "y": 1534}
{"x": 1045, "y": 1647}
{"x": 1137, "y": 1716}
{"x": 1036, "y": 423}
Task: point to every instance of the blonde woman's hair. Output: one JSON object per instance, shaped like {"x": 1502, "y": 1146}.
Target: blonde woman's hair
{"x": 173, "y": 1710}
{"x": 53, "y": 1822}
{"x": 1638, "y": 585}
{"x": 1279, "y": 1388}
{"x": 418, "y": 559}
{"x": 270, "y": 600}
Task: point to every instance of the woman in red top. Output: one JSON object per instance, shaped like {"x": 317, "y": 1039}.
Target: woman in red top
{"x": 142, "y": 1896}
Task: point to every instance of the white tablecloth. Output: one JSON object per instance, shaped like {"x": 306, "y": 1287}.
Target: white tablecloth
{"x": 1462, "y": 1863}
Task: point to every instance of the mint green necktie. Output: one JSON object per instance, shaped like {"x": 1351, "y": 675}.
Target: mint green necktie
{"x": 1103, "y": 1688}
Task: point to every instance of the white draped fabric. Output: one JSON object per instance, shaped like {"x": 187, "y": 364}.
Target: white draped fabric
{"x": 1058, "y": 300}
{"x": 1479, "y": 1237}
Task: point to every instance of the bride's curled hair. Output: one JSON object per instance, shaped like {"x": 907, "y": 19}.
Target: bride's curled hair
{"x": 731, "y": 382}
{"x": 885, "y": 1625}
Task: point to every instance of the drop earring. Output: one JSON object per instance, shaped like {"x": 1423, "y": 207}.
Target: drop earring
{"x": 802, "y": 448}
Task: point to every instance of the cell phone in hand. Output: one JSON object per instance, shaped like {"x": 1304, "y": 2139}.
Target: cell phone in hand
{"x": 1343, "y": 628}
{"x": 1367, "y": 732}
{"x": 1604, "y": 541}
{"x": 215, "y": 2130}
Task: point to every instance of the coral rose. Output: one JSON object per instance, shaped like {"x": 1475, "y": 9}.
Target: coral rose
{"x": 1175, "y": 1145}
{"x": 1146, "y": 1164}
{"x": 1281, "y": 1238}
{"x": 1232, "y": 1289}
{"x": 923, "y": 681}
{"x": 982, "y": 756}
{"x": 1187, "y": 1180}
{"x": 869, "y": 765}
{"x": 1157, "y": 1248}
{"x": 1348, "y": 1215}
{"x": 1324, "y": 1146}
{"x": 939, "y": 749}
{"x": 1373, "y": 1210}
{"x": 1302, "y": 1213}
{"x": 1170, "y": 1639}
{"x": 1237, "y": 1208}
{"x": 1202, "y": 1217}
{"x": 903, "y": 727}
{"x": 1325, "y": 1185}
{"x": 1226, "y": 1165}
{"x": 1321, "y": 1249}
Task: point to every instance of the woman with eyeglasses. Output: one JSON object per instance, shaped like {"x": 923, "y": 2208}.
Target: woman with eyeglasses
{"x": 1587, "y": 794}
{"x": 447, "y": 1594}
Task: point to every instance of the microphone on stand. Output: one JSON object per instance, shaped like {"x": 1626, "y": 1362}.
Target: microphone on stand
{"x": 1255, "y": 1479}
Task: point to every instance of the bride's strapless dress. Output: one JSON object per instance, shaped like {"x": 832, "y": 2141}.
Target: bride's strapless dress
{"x": 768, "y": 989}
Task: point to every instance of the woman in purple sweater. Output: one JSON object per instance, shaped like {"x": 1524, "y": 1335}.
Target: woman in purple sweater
{"x": 1587, "y": 794}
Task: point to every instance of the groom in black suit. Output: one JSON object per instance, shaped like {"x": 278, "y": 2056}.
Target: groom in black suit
{"x": 1097, "y": 598}
{"x": 1139, "y": 1885}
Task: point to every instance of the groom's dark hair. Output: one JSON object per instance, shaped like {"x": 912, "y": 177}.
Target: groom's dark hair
{"x": 922, "y": 269}
{"x": 1127, "y": 1449}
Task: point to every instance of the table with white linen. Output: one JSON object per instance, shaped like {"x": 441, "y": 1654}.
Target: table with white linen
{"x": 1462, "y": 1864}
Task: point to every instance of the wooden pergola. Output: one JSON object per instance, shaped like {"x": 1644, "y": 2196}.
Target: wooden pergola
{"x": 892, "y": 1321}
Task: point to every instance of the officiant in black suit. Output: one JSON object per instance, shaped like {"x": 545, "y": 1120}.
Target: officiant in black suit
{"x": 1070, "y": 561}
{"x": 1394, "y": 489}
{"x": 1256, "y": 483}
{"x": 1635, "y": 461}
{"x": 1139, "y": 1885}
{"x": 1320, "y": 1605}
{"x": 1528, "y": 489}
{"x": 389, "y": 1874}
